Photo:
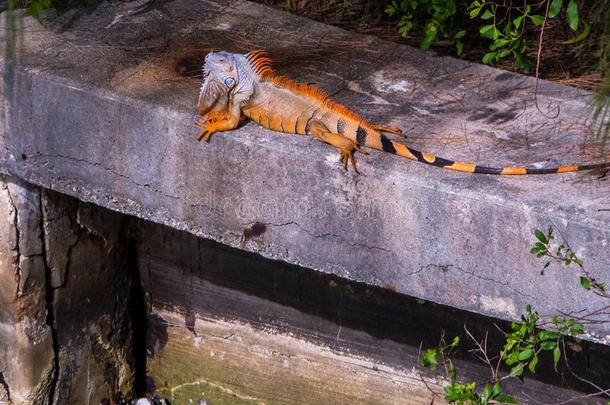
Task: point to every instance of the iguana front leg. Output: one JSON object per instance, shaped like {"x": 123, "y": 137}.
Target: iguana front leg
{"x": 215, "y": 116}
{"x": 223, "y": 121}
{"x": 346, "y": 146}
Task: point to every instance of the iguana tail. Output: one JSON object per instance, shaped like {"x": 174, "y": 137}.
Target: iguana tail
{"x": 399, "y": 149}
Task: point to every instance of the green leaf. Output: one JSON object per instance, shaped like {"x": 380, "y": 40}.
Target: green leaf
{"x": 573, "y": 40}
{"x": 486, "y": 392}
{"x": 517, "y": 21}
{"x": 512, "y": 359}
{"x": 489, "y": 31}
{"x": 38, "y": 6}
{"x": 555, "y": 8}
{"x": 489, "y": 57}
{"x": 585, "y": 282}
{"x": 459, "y": 47}
{"x": 475, "y": 12}
{"x": 404, "y": 26}
{"x": 526, "y": 353}
{"x": 518, "y": 60}
{"x": 517, "y": 371}
{"x": 536, "y": 19}
{"x": 577, "y": 329}
{"x": 548, "y": 345}
{"x": 548, "y": 335}
{"x": 504, "y": 53}
{"x": 556, "y": 356}
{"x": 506, "y": 399}
{"x": 455, "y": 341}
{"x": 541, "y": 236}
{"x": 499, "y": 43}
{"x": 429, "y": 37}
{"x": 533, "y": 363}
{"x": 496, "y": 390}
{"x": 485, "y": 29}
{"x": 572, "y": 13}
{"x": 429, "y": 359}
{"x": 459, "y": 34}
{"x": 487, "y": 15}
{"x": 390, "y": 10}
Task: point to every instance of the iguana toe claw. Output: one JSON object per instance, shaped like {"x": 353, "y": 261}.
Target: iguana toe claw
{"x": 347, "y": 155}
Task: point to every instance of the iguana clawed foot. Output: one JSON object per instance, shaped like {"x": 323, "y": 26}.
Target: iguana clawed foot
{"x": 209, "y": 126}
{"x": 206, "y": 130}
{"x": 347, "y": 155}
{"x": 218, "y": 122}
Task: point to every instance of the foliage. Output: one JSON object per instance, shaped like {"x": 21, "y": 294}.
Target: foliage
{"x": 33, "y": 7}
{"x": 601, "y": 103}
{"x": 564, "y": 254}
{"x": 469, "y": 393}
{"x": 505, "y": 25}
{"x": 502, "y": 24}
{"x": 440, "y": 18}
{"x": 526, "y": 342}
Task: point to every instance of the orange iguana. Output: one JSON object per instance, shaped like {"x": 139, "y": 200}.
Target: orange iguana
{"x": 238, "y": 85}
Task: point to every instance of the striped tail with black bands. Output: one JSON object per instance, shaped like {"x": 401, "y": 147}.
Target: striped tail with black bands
{"x": 399, "y": 149}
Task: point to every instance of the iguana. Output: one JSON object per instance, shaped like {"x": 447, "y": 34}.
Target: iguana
{"x": 237, "y": 86}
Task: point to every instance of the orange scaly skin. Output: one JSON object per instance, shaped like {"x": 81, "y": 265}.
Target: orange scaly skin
{"x": 283, "y": 105}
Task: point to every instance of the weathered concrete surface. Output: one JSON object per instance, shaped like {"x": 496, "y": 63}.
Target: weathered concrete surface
{"x": 26, "y": 342}
{"x": 65, "y": 329}
{"x": 100, "y": 112}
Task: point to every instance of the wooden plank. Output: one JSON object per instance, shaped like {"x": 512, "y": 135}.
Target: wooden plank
{"x": 228, "y": 362}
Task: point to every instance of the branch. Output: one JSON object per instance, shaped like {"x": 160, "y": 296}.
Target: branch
{"x": 538, "y": 57}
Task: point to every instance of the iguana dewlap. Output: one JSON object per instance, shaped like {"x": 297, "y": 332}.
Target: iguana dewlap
{"x": 237, "y": 86}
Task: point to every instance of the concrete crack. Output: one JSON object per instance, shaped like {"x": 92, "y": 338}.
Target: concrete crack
{"x": 66, "y": 269}
{"x": 108, "y": 169}
{"x": 446, "y": 267}
{"x": 329, "y": 235}
{"x": 49, "y": 300}
{"x": 16, "y": 226}
{"x": 4, "y": 385}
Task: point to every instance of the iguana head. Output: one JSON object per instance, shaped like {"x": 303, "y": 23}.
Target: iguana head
{"x": 225, "y": 75}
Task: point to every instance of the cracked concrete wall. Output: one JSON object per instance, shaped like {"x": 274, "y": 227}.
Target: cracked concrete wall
{"x": 26, "y": 342}
{"x": 65, "y": 333}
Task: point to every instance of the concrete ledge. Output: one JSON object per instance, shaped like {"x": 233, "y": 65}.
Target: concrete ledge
{"x": 99, "y": 110}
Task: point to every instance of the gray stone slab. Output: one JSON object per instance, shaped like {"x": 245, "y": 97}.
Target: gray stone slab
{"x": 102, "y": 108}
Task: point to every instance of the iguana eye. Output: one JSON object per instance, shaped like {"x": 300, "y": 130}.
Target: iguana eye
{"x": 229, "y": 81}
